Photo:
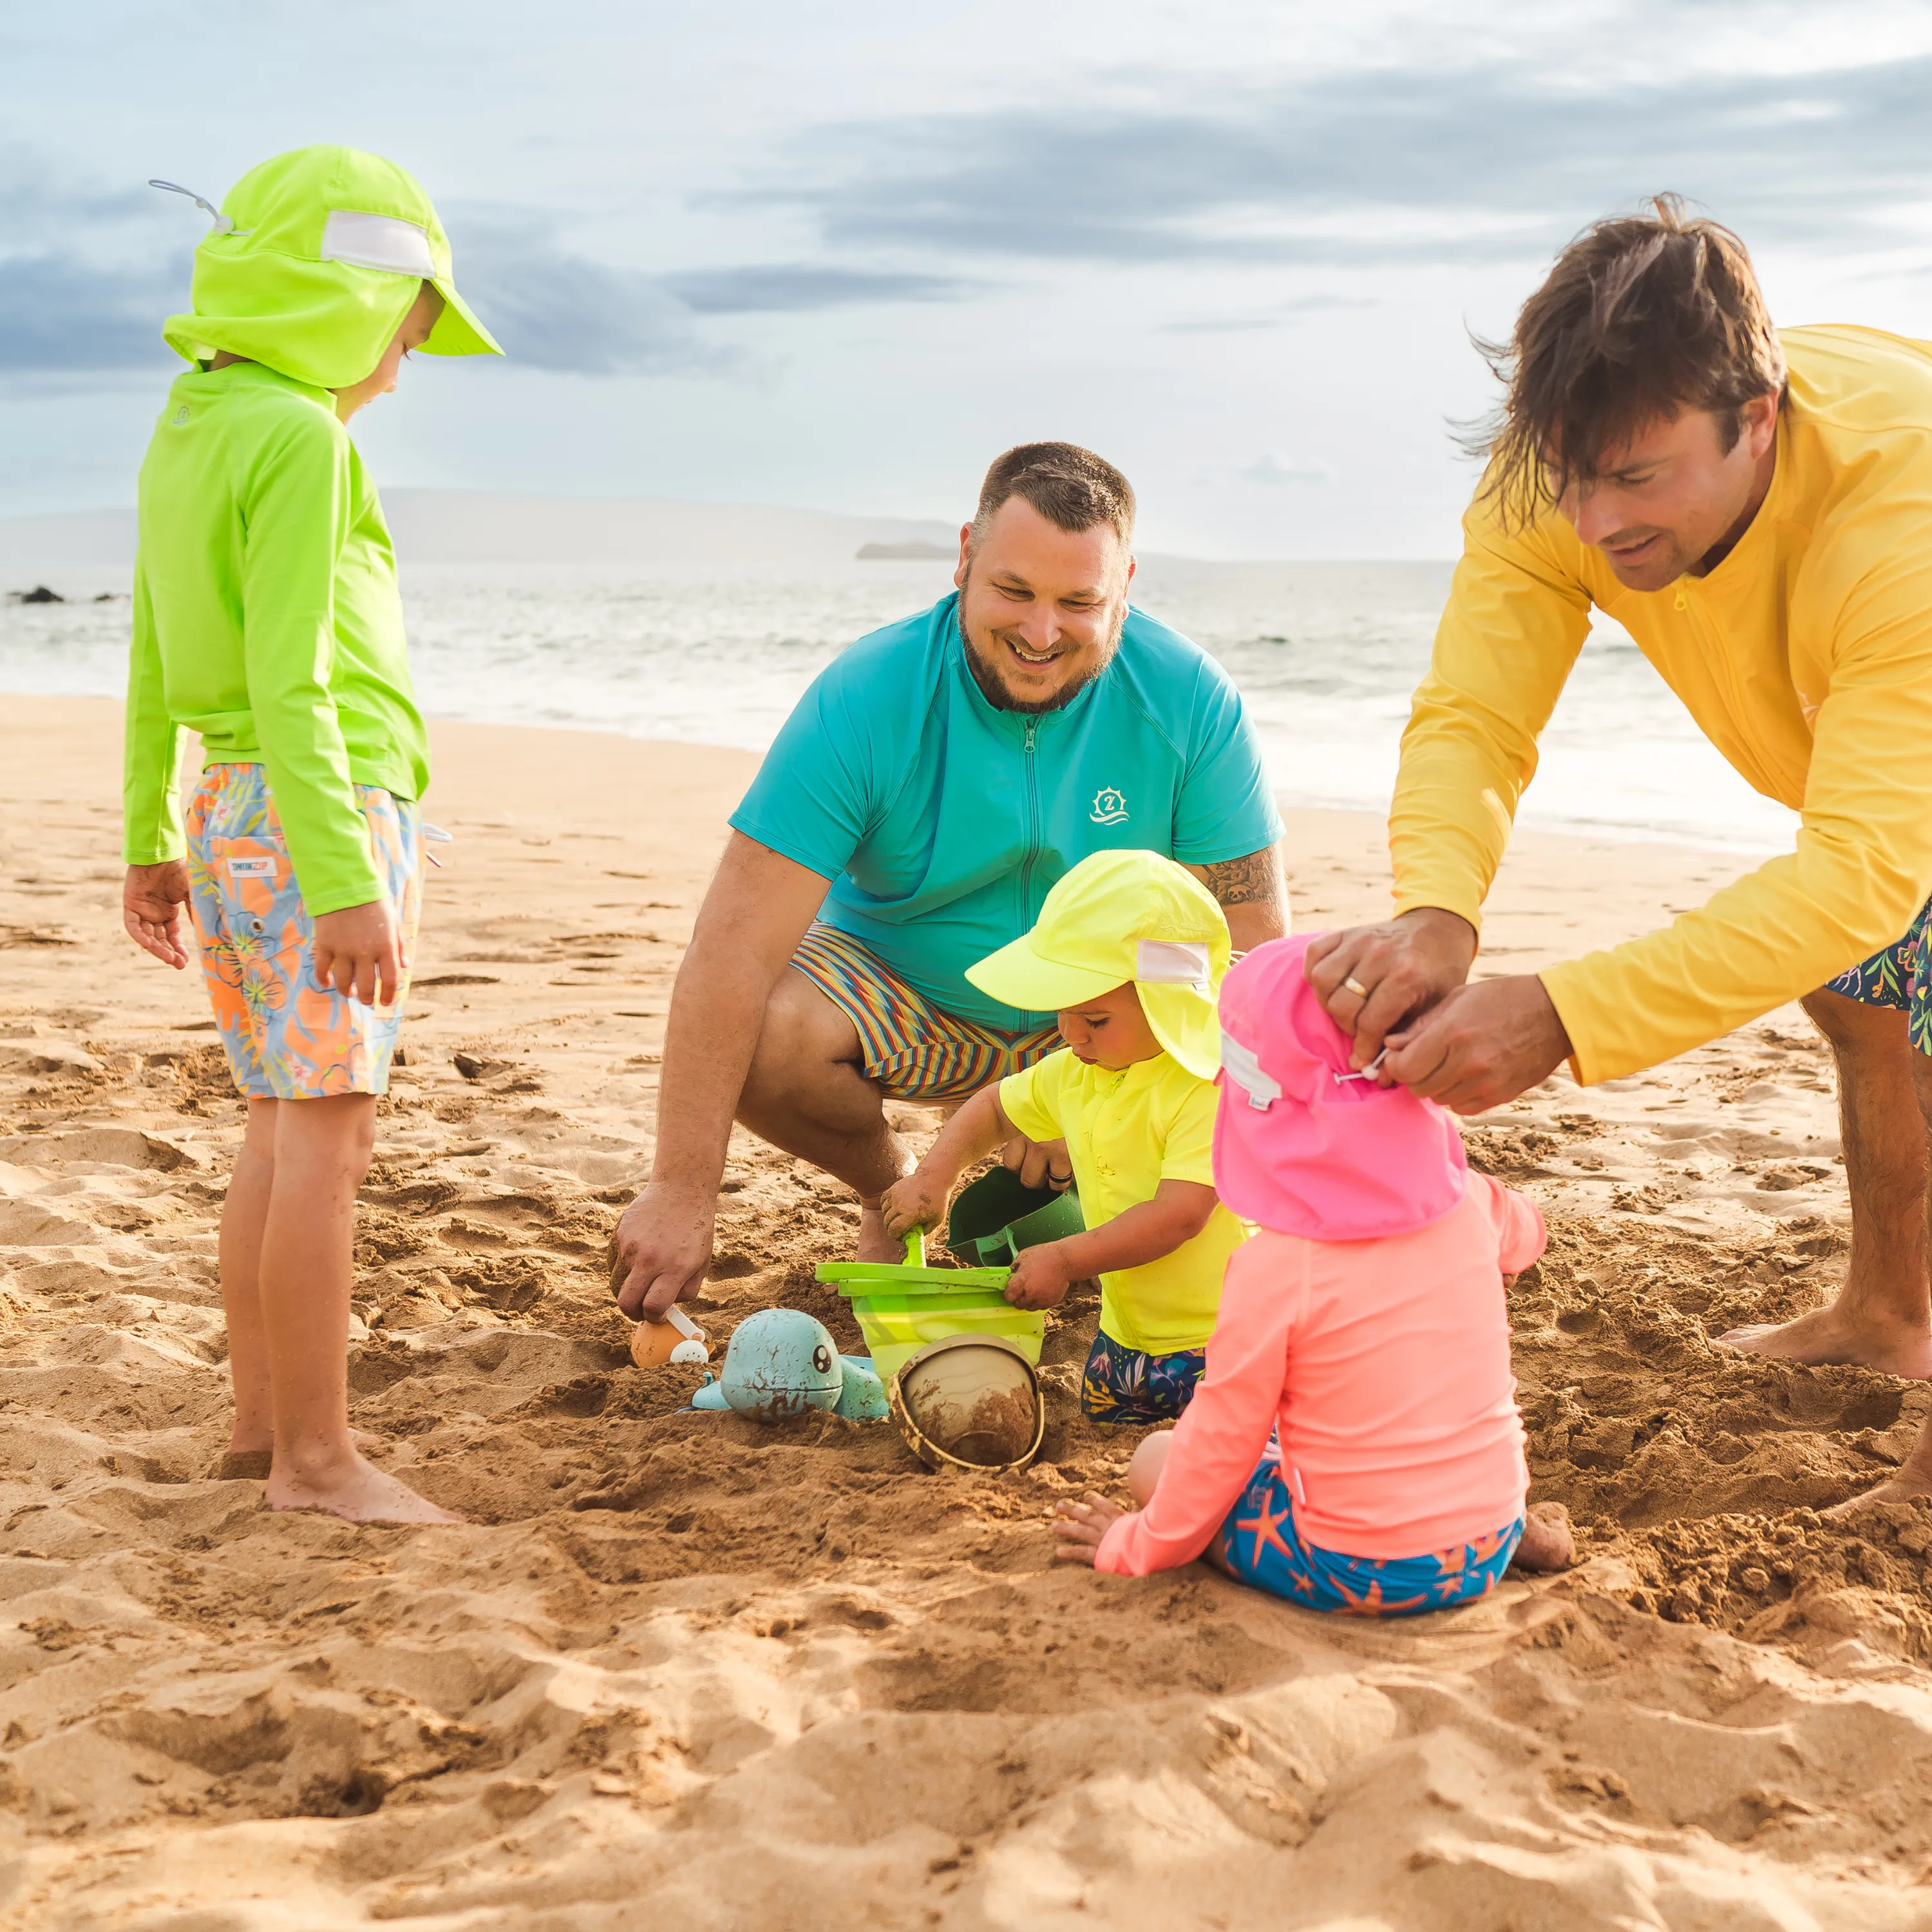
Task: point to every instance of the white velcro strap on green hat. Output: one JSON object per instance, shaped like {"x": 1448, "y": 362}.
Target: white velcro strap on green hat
{"x": 1263, "y": 1089}
{"x": 1172, "y": 962}
{"x": 376, "y": 241}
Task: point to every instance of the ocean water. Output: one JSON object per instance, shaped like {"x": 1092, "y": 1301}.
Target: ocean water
{"x": 1326, "y": 654}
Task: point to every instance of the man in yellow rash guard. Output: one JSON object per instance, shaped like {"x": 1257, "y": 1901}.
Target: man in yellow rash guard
{"x": 267, "y": 621}
{"x": 1756, "y": 509}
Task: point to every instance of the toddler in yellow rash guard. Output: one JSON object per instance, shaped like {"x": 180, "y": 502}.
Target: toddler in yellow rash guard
{"x": 267, "y": 620}
{"x": 1129, "y": 949}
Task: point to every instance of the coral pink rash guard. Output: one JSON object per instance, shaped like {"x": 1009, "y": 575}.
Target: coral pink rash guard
{"x": 1385, "y": 1367}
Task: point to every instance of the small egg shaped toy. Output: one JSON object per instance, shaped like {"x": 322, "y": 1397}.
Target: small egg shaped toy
{"x": 779, "y": 1364}
{"x": 677, "y": 1339}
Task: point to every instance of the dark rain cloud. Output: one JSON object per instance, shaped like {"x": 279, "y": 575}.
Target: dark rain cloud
{"x": 1374, "y": 165}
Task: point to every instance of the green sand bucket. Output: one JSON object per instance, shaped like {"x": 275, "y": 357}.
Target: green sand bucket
{"x": 999, "y": 1214}
{"x": 902, "y": 1306}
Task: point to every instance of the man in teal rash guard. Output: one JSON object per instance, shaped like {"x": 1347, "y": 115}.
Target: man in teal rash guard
{"x": 929, "y": 787}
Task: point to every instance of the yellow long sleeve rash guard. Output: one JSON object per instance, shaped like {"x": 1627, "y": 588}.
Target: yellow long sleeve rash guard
{"x": 1806, "y": 658}
{"x": 267, "y": 619}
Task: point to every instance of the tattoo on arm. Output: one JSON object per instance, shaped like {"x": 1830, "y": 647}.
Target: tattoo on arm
{"x": 1254, "y": 879}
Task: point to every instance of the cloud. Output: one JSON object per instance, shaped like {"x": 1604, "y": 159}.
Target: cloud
{"x": 1276, "y": 468}
{"x": 64, "y": 315}
{"x": 1375, "y": 164}
{"x": 1277, "y": 315}
{"x": 769, "y": 287}
{"x": 86, "y": 276}
{"x": 86, "y": 273}
{"x": 552, "y": 309}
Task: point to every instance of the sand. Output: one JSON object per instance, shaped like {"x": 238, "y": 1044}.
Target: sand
{"x": 679, "y": 1670}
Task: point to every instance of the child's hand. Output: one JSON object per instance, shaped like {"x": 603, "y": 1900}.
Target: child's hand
{"x": 919, "y": 1201}
{"x": 1080, "y": 1526}
{"x": 1040, "y": 1276}
{"x": 150, "y": 910}
{"x": 359, "y": 951}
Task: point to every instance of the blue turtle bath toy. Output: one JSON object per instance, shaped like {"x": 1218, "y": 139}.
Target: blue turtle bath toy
{"x": 782, "y": 1362}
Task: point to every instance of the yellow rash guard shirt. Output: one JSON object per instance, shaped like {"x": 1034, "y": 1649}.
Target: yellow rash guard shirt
{"x": 1806, "y": 658}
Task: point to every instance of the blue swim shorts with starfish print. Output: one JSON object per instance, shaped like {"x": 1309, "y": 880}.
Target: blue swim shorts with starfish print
{"x": 1124, "y": 1384}
{"x": 1900, "y": 977}
{"x": 1263, "y": 1546}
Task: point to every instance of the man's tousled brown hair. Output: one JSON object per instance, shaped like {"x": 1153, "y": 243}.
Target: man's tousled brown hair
{"x": 1643, "y": 317}
{"x": 1071, "y": 487}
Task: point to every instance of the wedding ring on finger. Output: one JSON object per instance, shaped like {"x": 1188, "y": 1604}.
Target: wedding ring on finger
{"x": 1352, "y": 985}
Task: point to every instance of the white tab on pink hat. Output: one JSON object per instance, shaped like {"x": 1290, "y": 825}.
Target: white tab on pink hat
{"x": 1241, "y": 1066}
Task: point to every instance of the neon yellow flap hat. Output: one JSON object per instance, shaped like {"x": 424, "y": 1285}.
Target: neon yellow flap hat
{"x": 314, "y": 260}
{"x": 1118, "y": 917}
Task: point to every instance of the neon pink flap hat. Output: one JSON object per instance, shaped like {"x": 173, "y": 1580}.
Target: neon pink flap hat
{"x": 1302, "y": 1150}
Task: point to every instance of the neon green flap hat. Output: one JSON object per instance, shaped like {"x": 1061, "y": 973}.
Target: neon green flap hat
{"x": 314, "y": 260}
{"x": 1118, "y": 917}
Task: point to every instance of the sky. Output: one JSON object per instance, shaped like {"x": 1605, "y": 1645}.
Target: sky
{"x": 839, "y": 256}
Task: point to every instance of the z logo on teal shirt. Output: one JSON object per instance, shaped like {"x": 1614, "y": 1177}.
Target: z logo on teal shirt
{"x": 1110, "y": 807}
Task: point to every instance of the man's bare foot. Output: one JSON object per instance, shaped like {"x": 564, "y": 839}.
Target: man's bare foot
{"x": 874, "y": 1244}
{"x": 354, "y": 1490}
{"x": 1914, "y": 1479}
{"x": 1829, "y": 1335}
{"x": 1547, "y": 1543}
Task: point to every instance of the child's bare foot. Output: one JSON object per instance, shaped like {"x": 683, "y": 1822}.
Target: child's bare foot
{"x": 1547, "y": 1543}
{"x": 251, "y": 1462}
{"x": 354, "y": 1490}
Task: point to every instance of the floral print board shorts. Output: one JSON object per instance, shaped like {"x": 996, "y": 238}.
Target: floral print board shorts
{"x": 1897, "y": 977}
{"x": 1124, "y": 1384}
{"x": 285, "y": 1038}
{"x": 1264, "y": 1547}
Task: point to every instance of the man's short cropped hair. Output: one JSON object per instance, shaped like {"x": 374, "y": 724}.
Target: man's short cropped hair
{"x": 1643, "y": 317}
{"x": 1071, "y": 487}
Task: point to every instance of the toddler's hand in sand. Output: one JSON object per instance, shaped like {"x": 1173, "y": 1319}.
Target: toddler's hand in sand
{"x": 151, "y": 909}
{"x": 1040, "y": 1277}
{"x": 1080, "y": 1526}
{"x": 919, "y": 1201}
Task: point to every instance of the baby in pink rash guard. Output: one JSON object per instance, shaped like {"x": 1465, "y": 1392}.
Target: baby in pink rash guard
{"x": 1355, "y": 1445}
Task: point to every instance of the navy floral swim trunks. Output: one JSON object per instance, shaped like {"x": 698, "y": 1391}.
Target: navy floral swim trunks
{"x": 1900, "y": 977}
{"x": 1124, "y": 1384}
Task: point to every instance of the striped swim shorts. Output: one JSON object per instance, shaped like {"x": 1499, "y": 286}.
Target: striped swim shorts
{"x": 914, "y": 1049}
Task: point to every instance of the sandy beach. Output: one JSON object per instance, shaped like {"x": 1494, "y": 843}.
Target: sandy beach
{"x": 677, "y": 1670}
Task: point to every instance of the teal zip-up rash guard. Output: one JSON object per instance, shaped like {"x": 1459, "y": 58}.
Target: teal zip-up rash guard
{"x": 941, "y": 821}
{"x": 267, "y": 619}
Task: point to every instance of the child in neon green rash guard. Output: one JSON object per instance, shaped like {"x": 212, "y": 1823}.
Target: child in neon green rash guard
{"x": 267, "y": 621}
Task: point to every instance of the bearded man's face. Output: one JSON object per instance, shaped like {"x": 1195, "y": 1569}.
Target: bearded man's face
{"x": 1040, "y": 608}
